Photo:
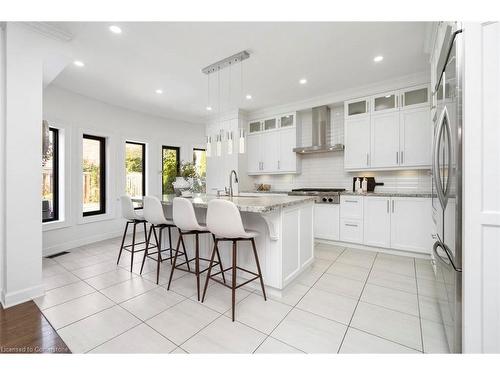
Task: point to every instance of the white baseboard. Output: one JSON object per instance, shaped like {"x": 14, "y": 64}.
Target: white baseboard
{"x": 24, "y": 295}
{"x": 79, "y": 242}
{"x": 403, "y": 253}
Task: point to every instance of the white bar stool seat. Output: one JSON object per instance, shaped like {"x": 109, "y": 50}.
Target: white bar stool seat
{"x": 153, "y": 213}
{"x": 225, "y": 224}
{"x": 185, "y": 220}
{"x": 132, "y": 217}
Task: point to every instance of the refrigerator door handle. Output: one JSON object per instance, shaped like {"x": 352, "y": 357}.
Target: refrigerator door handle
{"x": 435, "y": 170}
{"x": 448, "y": 261}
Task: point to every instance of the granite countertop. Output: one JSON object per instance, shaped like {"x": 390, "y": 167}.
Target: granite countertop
{"x": 410, "y": 194}
{"x": 265, "y": 192}
{"x": 258, "y": 204}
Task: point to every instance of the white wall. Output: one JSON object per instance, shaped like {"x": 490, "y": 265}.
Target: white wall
{"x": 74, "y": 115}
{"x": 25, "y": 52}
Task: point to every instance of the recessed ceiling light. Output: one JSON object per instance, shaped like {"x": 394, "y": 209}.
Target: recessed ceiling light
{"x": 209, "y": 108}
{"x": 378, "y": 58}
{"x": 303, "y": 81}
{"x": 248, "y": 96}
{"x": 79, "y": 63}
{"x": 115, "y": 29}
{"x": 159, "y": 91}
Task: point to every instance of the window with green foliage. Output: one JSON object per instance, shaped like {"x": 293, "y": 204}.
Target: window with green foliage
{"x": 170, "y": 167}
{"x": 135, "y": 170}
{"x": 200, "y": 164}
{"x": 94, "y": 175}
{"x": 50, "y": 178}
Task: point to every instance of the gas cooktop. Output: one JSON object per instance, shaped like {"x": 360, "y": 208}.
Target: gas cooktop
{"x": 323, "y": 195}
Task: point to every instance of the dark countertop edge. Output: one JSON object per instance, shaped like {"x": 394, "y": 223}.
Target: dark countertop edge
{"x": 413, "y": 194}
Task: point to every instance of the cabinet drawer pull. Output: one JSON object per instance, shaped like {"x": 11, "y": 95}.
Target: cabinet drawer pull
{"x": 350, "y": 201}
{"x": 351, "y": 225}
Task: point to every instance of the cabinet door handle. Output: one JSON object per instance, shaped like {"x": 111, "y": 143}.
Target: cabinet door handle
{"x": 278, "y": 164}
{"x": 367, "y": 163}
{"x": 401, "y": 157}
{"x": 351, "y": 225}
{"x": 397, "y": 157}
{"x": 387, "y": 205}
{"x": 392, "y": 206}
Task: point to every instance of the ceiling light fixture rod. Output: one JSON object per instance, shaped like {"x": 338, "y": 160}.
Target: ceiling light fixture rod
{"x": 224, "y": 63}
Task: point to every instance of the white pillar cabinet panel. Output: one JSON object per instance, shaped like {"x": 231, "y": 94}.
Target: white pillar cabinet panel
{"x": 270, "y": 151}
{"x": 357, "y": 143}
{"x": 326, "y": 221}
{"x": 291, "y": 244}
{"x": 377, "y": 221}
{"x": 411, "y": 224}
{"x": 306, "y": 233}
{"x": 415, "y": 137}
{"x": 254, "y": 157}
{"x": 384, "y": 139}
{"x": 287, "y": 161}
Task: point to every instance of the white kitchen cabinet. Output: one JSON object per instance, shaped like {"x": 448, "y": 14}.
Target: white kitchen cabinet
{"x": 254, "y": 159}
{"x": 270, "y": 151}
{"x": 415, "y": 137}
{"x": 377, "y": 221}
{"x": 326, "y": 221}
{"x": 357, "y": 143}
{"x": 351, "y": 207}
{"x": 385, "y": 102}
{"x": 255, "y": 126}
{"x": 357, "y": 108}
{"x": 351, "y": 230}
{"x": 287, "y": 160}
{"x": 287, "y": 120}
{"x": 415, "y": 97}
{"x": 411, "y": 224}
{"x": 384, "y": 140}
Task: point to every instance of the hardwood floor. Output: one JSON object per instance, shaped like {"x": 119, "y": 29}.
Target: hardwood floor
{"x": 23, "y": 329}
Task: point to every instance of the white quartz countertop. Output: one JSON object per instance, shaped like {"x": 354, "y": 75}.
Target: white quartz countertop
{"x": 257, "y": 204}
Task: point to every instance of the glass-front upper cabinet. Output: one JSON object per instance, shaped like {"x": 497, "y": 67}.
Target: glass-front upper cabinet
{"x": 357, "y": 107}
{"x": 385, "y": 102}
{"x": 270, "y": 123}
{"x": 255, "y": 126}
{"x": 413, "y": 97}
{"x": 287, "y": 120}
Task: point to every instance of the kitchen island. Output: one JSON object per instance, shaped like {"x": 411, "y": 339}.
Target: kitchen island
{"x": 286, "y": 241}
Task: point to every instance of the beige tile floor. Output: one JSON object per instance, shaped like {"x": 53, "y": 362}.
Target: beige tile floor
{"x": 349, "y": 301}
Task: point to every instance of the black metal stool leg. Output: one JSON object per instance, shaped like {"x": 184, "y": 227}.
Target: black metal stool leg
{"x": 184, "y": 248}
{"x": 148, "y": 239}
{"x": 133, "y": 249}
{"x": 233, "y": 286}
{"x": 209, "y": 270}
{"x": 258, "y": 268}
{"x": 158, "y": 261}
{"x": 197, "y": 265}
{"x": 175, "y": 262}
{"x": 170, "y": 242}
{"x": 123, "y": 242}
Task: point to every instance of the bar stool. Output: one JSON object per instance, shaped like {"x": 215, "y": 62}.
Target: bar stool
{"x": 134, "y": 218}
{"x": 187, "y": 224}
{"x": 153, "y": 213}
{"x": 224, "y": 222}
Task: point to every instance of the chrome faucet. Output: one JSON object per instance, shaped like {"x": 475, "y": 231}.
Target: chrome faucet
{"x": 231, "y": 181}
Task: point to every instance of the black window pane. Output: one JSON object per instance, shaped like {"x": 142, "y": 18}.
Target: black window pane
{"x": 50, "y": 180}
{"x": 93, "y": 175}
{"x": 135, "y": 170}
{"x": 170, "y": 168}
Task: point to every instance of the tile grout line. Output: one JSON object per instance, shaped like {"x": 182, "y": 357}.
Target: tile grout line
{"x": 300, "y": 299}
{"x": 357, "y": 303}
{"x": 419, "y": 312}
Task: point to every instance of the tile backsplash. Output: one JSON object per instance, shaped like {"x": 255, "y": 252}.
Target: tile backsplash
{"x": 327, "y": 170}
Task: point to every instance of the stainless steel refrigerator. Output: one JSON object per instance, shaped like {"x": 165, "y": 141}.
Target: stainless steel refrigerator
{"x": 447, "y": 184}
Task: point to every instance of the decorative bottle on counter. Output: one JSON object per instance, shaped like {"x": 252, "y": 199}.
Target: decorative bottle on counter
{"x": 364, "y": 185}
{"x": 357, "y": 185}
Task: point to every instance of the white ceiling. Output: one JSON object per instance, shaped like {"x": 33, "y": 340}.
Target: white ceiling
{"x": 126, "y": 69}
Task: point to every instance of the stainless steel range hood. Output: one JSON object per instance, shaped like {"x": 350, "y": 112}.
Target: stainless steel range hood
{"x": 321, "y": 139}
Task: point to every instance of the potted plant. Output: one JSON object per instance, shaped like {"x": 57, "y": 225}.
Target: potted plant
{"x": 184, "y": 182}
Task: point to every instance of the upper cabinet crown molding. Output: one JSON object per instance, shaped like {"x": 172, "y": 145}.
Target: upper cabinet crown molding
{"x": 49, "y": 30}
